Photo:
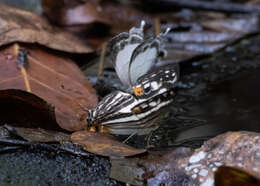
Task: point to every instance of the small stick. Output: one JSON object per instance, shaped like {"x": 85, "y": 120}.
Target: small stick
{"x": 157, "y": 26}
{"x": 148, "y": 139}
{"x": 22, "y": 68}
{"x": 26, "y": 81}
{"x": 102, "y": 60}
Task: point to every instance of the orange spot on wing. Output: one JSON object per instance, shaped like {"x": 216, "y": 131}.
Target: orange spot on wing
{"x": 138, "y": 91}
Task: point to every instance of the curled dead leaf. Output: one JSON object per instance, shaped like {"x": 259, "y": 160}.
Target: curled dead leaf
{"x": 103, "y": 144}
{"x": 53, "y": 78}
{"x": 23, "y": 109}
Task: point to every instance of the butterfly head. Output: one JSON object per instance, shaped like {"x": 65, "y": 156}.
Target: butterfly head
{"x": 89, "y": 119}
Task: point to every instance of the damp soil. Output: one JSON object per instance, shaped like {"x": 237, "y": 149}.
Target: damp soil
{"x": 215, "y": 94}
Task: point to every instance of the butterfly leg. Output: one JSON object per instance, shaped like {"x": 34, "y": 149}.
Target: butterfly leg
{"x": 154, "y": 124}
{"x": 148, "y": 138}
{"x": 129, "y": 137}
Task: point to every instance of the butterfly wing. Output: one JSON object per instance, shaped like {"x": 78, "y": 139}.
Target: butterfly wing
{"x": 156, "y": 81}
{"x": 122, "y": 47}
{"x": 145, "y": 56}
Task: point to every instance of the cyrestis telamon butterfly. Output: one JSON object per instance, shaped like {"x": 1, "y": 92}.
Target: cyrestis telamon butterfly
{"x": 149, "y": 91}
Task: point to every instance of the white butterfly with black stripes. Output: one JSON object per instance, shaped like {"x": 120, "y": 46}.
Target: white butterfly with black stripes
{"x": 150, "y": 91}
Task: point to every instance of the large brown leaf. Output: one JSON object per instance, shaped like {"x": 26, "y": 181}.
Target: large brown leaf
{"x": 55, "y": 79}
{"x": 20, "y": 25}
{"x": 103, "y": 144}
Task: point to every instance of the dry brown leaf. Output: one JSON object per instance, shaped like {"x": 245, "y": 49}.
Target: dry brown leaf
{"x": 76, "y": 14}
{"x": 103, "y": 144}
{"x": 22, "y": 26}
{"x": 55, "y": 79}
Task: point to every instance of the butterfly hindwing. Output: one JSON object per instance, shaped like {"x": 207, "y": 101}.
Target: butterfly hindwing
{"x": 165, "y": 75}
{"x": 121, "y": 48}
{"x": 145, "y": 56}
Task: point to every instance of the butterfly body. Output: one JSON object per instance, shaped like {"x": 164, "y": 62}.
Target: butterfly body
{"x": 150, "y": 91}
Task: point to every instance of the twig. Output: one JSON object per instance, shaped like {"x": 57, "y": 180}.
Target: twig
{"x": 21, "y": 64}
{"x": 134, "y": 133}
{"x": 157, "y": 26}
{"x": 102, "y": 60}
{"x": 209, "y": 6}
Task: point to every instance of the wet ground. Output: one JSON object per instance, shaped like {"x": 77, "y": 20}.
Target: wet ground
{"x": 215, "y": 95}
{"x": 35, "y": 166}
{"x": 220, "y": 94}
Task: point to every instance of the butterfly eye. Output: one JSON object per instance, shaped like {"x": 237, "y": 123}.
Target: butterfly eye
{"x": 147, "y": 88}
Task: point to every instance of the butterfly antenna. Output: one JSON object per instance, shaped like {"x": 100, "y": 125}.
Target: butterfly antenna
{"x": 167, "y": 31}
{"x": 142, "y": 25}
{"x": 138, "y": 31}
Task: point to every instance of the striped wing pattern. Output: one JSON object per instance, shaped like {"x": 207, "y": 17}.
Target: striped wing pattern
{"x": 124, "y": 113}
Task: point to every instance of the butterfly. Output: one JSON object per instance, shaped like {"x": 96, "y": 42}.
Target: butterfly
{"x": 150, "y": 90}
